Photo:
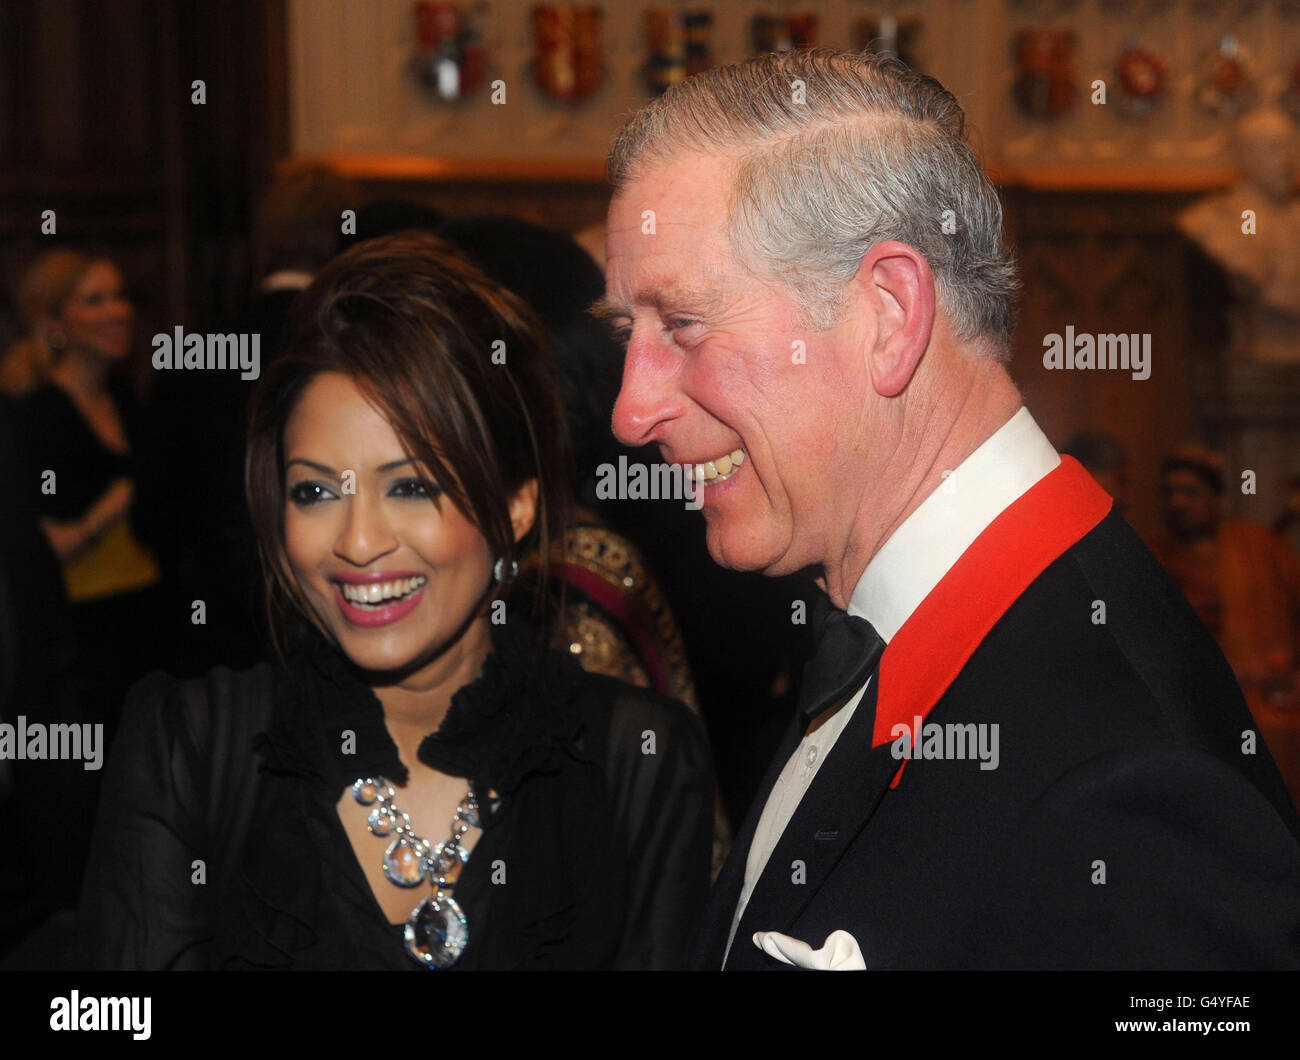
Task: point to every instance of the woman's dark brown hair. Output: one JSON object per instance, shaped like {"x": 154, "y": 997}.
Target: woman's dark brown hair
{"x": 458, "y": 366}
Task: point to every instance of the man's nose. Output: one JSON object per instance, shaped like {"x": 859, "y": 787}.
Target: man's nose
{"x": 366, "y": 535}
{"x": 650, "y": 396}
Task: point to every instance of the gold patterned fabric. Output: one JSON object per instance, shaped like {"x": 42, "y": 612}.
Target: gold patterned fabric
{"x": 642, "y": 646}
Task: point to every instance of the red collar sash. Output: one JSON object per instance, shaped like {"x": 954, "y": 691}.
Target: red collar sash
{"x": 942, "y": 634}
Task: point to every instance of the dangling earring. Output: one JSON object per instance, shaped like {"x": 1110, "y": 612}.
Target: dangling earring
{"x": 499, "y": 567}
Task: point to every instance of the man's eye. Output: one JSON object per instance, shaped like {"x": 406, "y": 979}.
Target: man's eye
{"x": 416, "y": 489}
{"x": 622, "y": 336}
{"x": 676, "y": 325}
{"x": 305, "y": 494}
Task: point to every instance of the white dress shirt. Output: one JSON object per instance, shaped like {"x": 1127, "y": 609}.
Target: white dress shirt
{"x": 899, "y": 576}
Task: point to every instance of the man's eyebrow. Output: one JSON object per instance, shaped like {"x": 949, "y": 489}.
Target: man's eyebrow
{"x": 606, "y": 308}
{"x": 699, "y": 299}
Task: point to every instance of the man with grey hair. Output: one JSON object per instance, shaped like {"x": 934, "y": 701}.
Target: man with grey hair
{"x": 1016, "y": 746}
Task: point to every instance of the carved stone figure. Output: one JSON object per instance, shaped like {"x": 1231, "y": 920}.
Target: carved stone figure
{"x": 1253, "y": 232}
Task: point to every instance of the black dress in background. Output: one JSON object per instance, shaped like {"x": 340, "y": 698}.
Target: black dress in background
{"x": 605, "y": 848}
{"x": 115, "y": 638}
{"x": 36, "y": 684}
{"x": 52, "y": 434}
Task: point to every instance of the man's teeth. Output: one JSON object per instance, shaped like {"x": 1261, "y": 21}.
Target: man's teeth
{"x": 719, "y": 469}
{"x": 380, "y": 592}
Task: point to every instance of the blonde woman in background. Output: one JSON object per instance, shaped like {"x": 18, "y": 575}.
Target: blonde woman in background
{"x": 76, "y": 419}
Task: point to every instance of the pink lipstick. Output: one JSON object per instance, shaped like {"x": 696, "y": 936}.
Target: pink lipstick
{"x": 382, "y": 614}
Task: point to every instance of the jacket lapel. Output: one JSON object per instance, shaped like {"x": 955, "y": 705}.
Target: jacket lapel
{"x": 837, "y": 806}
{"x": 712, "y": 943}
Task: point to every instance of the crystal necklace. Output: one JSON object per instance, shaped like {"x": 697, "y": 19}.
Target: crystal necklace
{"x": 436, "y": 930}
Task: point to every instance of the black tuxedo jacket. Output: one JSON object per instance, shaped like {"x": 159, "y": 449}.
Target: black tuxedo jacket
{"x": 1134, "y": 820}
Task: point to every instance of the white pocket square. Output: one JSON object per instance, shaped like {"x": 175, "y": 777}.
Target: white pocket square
{"x": 839, "y": 953}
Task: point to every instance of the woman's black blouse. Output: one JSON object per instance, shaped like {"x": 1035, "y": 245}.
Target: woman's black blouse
{"x": 218, "y": 843}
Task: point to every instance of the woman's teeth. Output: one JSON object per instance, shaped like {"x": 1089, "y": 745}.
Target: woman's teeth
{"x": 719, "y": 469}
{"x": 380, "y": 592}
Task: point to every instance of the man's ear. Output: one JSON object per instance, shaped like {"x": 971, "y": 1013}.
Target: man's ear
{"x": 523, "y": 508}
{"x": 900, "y": 286}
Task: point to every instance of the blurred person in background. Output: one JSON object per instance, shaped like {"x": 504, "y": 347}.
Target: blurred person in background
{"x": 1242, "y": 578}
{"x": 77, "y": 425}
{"x": 1244, "y": 581}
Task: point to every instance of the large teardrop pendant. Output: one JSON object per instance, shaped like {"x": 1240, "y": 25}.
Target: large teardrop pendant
{"x": 436, "y": 932}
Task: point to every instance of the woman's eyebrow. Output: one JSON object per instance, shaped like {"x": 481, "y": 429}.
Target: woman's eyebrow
{"x": 324, "y": 469}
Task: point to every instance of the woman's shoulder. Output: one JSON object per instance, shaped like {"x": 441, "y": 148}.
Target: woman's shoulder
{"x": 213, "y": 688}
{"x": 185, "y": 750}
{"x": 44, "y": 399}
{"x": 604, "y": 694}
{"x": 47, "y": 422}
{"x": 654, "y": 756}
{"x": 40, "y": 407}
{"x": 635, "y": 727}
{"x": 221, "y": 705}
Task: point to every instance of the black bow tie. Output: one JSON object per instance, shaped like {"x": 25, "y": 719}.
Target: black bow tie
{"x": 848, "y": 651}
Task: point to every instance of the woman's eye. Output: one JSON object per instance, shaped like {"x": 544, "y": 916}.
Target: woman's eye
{"x": 415, "y": 489}
{"x": 305, "y": 494}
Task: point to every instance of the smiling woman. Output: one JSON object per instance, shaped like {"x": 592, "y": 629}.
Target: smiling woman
{"x": 418, "y": 780}
{"x": 342, "y": 543}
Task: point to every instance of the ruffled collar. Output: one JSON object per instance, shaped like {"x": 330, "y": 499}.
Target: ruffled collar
{"x": 520, "y": 716}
